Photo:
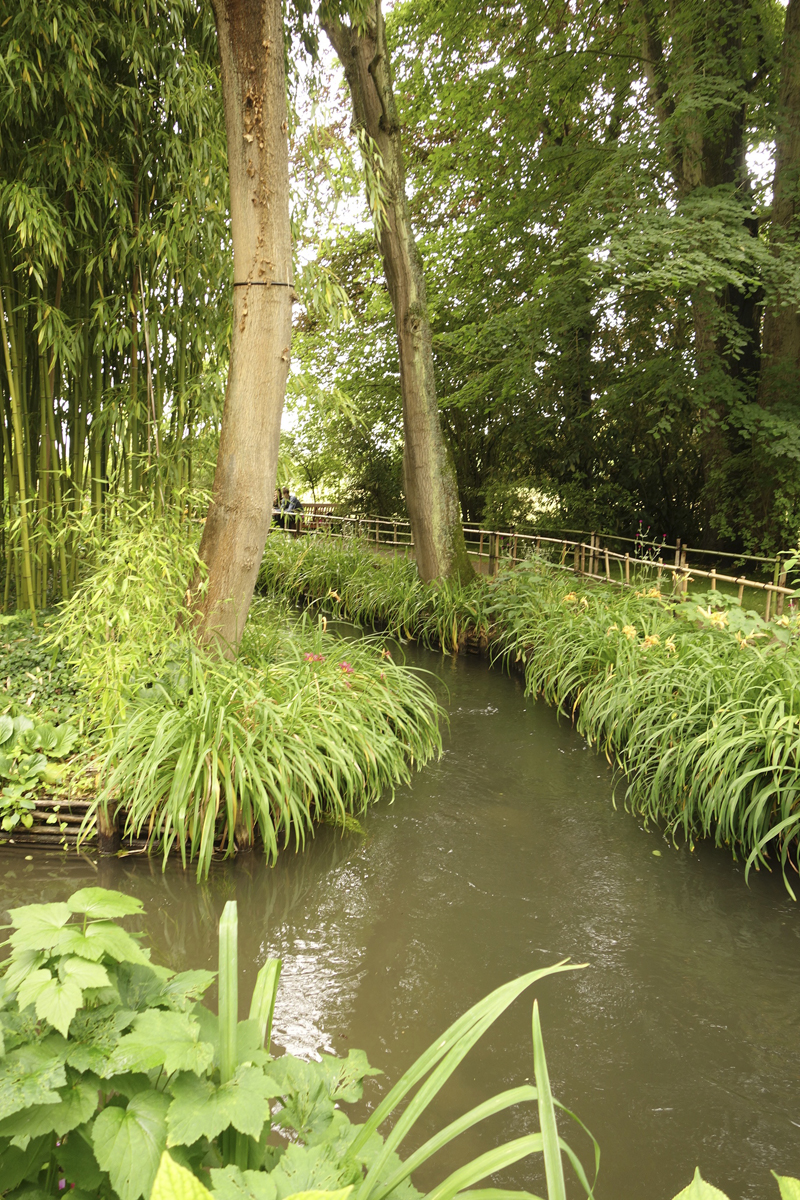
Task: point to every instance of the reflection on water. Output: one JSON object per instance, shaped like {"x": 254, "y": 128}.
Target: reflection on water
{"x": 677, "y": 1044}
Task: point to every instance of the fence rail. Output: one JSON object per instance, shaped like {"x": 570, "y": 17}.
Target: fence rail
{"x": 591, "y": 559}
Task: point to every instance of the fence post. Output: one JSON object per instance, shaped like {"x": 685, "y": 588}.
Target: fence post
{"x": 677, "y": 552}
{"x": 713, "y": 574}
{"x": 575, "y": 559}
{"x": 769, "y": 601}
{"x": 591, "y": 554}
{"x": 628, "y": 570}
{"x": 780, "y": 597}
{"x": 608, "y": 565}
{"x": 583, "y": 557}
{"x": 741, "y": 588}
{"x": 660, "y": 569}
{"x": 496, "y": 553}
{"x": 563, "y": 553}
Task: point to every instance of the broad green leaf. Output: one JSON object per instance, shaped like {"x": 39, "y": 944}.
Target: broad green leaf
{"x": 76, "y": 1158}
{"x": 344, "y": 1077}
{"x": 66, "y": 737}
{"x": 200, "y": 1109}
{"x": 174, "y": 1182}
{"x": 161, "y": 1038}
{"x": 102, "y": 902}
{"x": 74, "y": 941}
{"x": 230, "y": 1183}
{"x": 313, "y": 1168}
{"x": 104, "y": 937}
{"x": 31, "y": 987}
{"x": 84, "y": 973}
{"x": 94, "y": 1034}
{"x": 78, "y": 1101}
{"x": 18, "y": 1163}
{"x": 128, "y": 1143}
{"x": 185, "y": 989}
{"x": 38, "y": 926}
{"x": 698, "y": 1189}
{"x": 58, "y": 1002}
{"x": 6, "y": 729}
{"x": 30, "y": 1075}
{"x": 20, "y": 965}
{"x": 789, "y": 1187}
{"x": 45, "y": 737}
{"x": 307, "y": 1106}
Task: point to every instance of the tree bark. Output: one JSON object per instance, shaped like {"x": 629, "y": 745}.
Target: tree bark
{"x": 254, "y": 92}
{"x": 780, "y": 365}
{"x": 428, "y": 470}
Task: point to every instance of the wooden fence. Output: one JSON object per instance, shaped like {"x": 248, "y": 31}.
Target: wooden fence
{"x": 586, "y": 555}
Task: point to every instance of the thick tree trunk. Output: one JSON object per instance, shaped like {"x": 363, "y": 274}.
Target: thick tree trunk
{"x": 254, "y": 92}
{"x": 780, "y": 365}
{"x": 429, "y": 473}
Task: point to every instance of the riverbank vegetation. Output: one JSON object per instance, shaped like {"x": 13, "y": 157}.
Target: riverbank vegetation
{"x": 696, "y": 702}
{"x": 199, "y": 751}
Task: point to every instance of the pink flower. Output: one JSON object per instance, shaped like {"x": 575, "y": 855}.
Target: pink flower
{"x": 314, "y": 657}
{"x": 348, "y": 670}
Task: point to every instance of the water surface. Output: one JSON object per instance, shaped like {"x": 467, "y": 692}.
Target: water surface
{"x": 677, "y": 1045}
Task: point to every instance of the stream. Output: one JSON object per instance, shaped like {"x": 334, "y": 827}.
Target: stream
{"x": 677, "y": 1045}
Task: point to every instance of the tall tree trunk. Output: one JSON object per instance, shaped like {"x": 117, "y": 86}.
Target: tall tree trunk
{"x": 779, "y": 382}
{"x": 254, "y": 92}
{"x": 429, "y": 473}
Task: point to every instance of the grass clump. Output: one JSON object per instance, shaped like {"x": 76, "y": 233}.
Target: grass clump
{"x": 698, "y": 703}
{"x": 303, "y": 726}
{"x": 355, "y": 584}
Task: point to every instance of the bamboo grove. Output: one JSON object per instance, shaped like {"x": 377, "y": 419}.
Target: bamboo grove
{"x": 113, "y": 255}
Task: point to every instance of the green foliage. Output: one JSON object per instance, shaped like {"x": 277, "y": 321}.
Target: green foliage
{"x": 130, "y": 1116}
{"x": 34, "y": 679}
{"x": 698, "y": 702}
{"x": 301, "y": 727}
{"x": 25, "y": 748}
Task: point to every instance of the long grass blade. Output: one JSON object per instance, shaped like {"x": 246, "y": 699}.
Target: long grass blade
{"x": 553, "y": 1167}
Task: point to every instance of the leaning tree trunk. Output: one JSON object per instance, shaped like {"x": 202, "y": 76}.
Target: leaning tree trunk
{"x": 430, "y": 479}
{"x": 254, "y": 93}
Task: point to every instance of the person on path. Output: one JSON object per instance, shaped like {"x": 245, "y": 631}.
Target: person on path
{"x": 290, "y": 506}
{"x": 277, "y": 514}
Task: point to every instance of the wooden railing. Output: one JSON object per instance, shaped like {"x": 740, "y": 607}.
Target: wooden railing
{"x": 589, "y": 558}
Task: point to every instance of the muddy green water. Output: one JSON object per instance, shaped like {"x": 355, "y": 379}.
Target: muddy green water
{"x": 677, "y": 1045}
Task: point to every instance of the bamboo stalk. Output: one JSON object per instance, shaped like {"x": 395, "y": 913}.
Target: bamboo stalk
{"x": 9, "y": 351}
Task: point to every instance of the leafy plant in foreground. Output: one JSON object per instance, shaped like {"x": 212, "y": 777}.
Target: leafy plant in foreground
{"x": 108, "y": 1061}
